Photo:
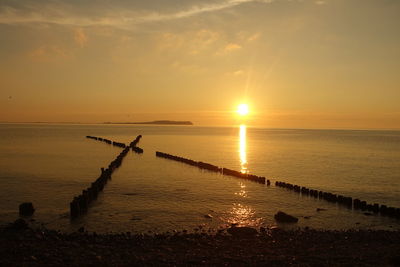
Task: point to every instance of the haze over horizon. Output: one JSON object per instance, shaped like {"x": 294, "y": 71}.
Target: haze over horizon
{"x": 297, "y": 63}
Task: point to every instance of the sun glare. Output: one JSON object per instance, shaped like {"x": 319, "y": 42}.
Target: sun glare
{"x": 243, "y": 109}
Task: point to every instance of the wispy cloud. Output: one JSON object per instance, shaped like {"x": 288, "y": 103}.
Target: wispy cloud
{"x": 199, "y": 9}
{"x": 320, "y": 2}
{"x": 63, "y": 14}
{"x": 49, "y": 53}
{"x": 232, "y": 47}
{"x": 229, "y": 48}
{"x": 254, "y": 37}
{"x": 80, "y": 37}
{"x": 237, "y": 73}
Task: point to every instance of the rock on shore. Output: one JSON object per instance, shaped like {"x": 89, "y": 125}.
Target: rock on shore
{"x": 285, "y": 218}
{"x": 26, "y": 209}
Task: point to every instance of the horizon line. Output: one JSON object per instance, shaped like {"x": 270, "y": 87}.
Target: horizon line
{"x": 201, "y": 125}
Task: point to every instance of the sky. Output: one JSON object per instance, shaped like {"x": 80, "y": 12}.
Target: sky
{"x": 297, "y": 63}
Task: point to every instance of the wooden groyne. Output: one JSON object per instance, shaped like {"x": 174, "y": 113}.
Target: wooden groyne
{"x": 346, "y": 201}
{"x": 136, "y": 141}
{"x": 213, "y": 168}
{"x": 80, "y": 204}
{"x": 107, "y": 141}
{"x": 132, "y": 145}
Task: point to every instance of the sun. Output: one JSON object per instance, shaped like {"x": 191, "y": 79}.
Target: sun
{"x": 243, "y": 109}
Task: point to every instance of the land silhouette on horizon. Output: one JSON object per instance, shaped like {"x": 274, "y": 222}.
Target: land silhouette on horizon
{"x": 157, "y": 122}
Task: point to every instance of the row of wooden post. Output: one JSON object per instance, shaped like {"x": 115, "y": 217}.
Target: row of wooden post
{"x": 213, "y": 168}
{"x": 346, "y": 201}
{"x": 80, "y": 204}
{"x": 132, "y": 145}
{"x": 107, "y": 141}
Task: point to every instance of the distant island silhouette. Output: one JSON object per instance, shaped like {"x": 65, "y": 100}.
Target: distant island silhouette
{"x": 159, "y": 122}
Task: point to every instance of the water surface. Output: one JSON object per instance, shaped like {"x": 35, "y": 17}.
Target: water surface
{"x": 49, "y": 164}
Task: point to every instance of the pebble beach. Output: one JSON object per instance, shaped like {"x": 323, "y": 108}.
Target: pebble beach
{"x": 23, "y": 245}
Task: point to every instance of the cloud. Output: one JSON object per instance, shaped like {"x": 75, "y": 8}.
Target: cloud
{"x": 254, "y": 37}
{"x": 63, "y": 13}
{"x": 49, "y": 53}
{"x": 80, "y": 37}
{"x": 248, "y": 36}
{"x": 228, "y": 49}
{"x": 195, "y": 10}
{"x": 231, "y": 47}
{"x": 194, "y": 42}
{"x": 238, "y": 72}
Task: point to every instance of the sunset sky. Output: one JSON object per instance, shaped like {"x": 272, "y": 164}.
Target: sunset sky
{"x": 297, "y": 63}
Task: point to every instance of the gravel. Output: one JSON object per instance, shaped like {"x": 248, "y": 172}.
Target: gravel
{"x": 21, "y": 245}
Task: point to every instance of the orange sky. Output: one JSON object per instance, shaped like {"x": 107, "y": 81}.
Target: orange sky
{"x": 299, "y": 64}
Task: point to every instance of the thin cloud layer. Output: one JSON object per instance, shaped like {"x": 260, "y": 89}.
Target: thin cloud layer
{"x": 25, "y": 12}
{"x": 80, "y": 37}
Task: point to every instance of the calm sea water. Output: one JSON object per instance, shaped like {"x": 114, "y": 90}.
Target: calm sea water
{"x": 49, "y": 164}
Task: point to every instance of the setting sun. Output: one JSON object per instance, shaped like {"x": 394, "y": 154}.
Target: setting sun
{"x": 243, "y": 109}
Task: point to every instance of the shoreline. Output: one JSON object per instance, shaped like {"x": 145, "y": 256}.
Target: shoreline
{"x": 23, "y": 245}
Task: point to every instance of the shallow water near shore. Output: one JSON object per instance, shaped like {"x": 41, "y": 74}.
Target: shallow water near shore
{"x": 49, "y": 164}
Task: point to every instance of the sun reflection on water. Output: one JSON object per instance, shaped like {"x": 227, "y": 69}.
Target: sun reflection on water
{"x": 243, "y": 148}
{"x": 242, "y": 192}
{"x": 242, "y": 215}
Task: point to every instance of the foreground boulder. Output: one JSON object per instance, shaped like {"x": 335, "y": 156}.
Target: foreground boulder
{"x": 285, "y": 218}
{"x": 242, "y": 231}
{"x": 26, "y": 209}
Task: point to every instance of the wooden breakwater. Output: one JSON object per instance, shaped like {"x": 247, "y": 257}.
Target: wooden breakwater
{"x": 214, "y": 168}
{"x": 349, "y": 202}
{"x": 80, "y": 204}
{"x": 132, "y": 145}
{"x": 107, "y": 141}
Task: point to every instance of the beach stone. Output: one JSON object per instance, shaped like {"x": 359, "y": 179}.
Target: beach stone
{"x": 242, "y": 231}
{"x": 285, "y": 218}
{"x": 26, "y": 209}
{"x": 19, "y": 224}
{"x": 395, "y": 261}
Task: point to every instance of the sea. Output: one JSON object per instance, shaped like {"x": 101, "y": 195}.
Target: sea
{"x": 49, "y": 164}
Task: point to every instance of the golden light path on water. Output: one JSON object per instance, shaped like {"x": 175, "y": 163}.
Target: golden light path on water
{"x": 241, "y": 214}
{"x": 243, "y": 148}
